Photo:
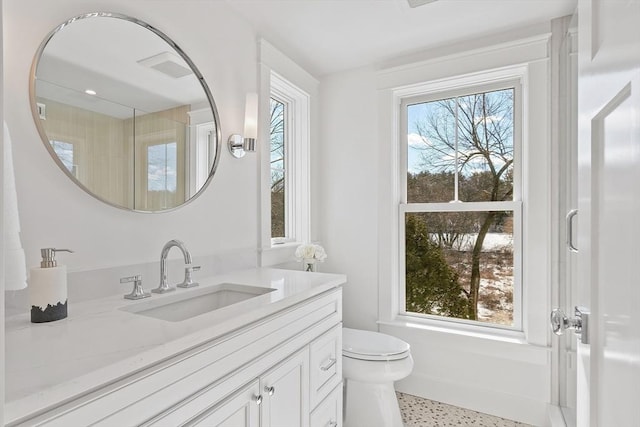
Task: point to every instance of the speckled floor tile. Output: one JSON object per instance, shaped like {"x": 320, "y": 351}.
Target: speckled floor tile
{"x": 419, "y": 412}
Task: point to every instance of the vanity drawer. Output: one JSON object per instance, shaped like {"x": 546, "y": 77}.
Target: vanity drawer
{"x": 329, "y": 411}
{"x": 325, "y": 364}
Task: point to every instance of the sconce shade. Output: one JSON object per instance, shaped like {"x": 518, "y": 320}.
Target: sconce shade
{"x": 251, "y": 116}
{"x": 240, "y": 145}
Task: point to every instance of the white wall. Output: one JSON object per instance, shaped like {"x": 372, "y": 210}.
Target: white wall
{"x": 348, "y": 171}
{"x": 56, "y": 213}
{"x": 509, "y": 377}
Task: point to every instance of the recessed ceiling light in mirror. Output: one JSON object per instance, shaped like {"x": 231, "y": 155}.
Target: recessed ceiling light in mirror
{"x": 90, "y": 92}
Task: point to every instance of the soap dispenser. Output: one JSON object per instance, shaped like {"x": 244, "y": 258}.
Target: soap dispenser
{"x": 48, "y": 288}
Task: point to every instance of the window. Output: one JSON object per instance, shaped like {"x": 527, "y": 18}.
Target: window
{"x": 65, "y": 151}
{"x": 288, "y": 162}
{"x": 159, "y": 173}
{"x": 278, "y": 185}
{"x": 162, "y": 166}
{"x": 460, "y": 214}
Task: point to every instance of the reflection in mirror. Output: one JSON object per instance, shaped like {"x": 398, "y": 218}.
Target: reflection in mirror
{"x": 124, "y": 112}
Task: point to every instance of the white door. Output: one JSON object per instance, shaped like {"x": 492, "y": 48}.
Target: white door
{"x": 608, "y": 369}
{"x": 285, "y": 392}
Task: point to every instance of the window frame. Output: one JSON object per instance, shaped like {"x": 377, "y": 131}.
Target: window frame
{"x": 287, "y": 168}
{"x": 296, "y": 162}
{"x": 451, "y": 88}
{"x": 201, "y": 149}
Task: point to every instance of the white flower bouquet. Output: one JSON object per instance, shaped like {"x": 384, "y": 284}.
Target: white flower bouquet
{"x": 309, "y": 254}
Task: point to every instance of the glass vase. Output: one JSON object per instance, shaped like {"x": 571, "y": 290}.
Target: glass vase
{"x": 309, "y": 265}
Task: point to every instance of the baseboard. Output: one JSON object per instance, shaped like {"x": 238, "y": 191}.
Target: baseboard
{"x": 477, "y": 399}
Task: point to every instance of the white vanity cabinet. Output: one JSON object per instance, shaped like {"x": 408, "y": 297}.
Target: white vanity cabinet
{"x": 274, "y": 372}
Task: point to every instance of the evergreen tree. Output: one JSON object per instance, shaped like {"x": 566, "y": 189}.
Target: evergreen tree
{"x": 431, "y": 284}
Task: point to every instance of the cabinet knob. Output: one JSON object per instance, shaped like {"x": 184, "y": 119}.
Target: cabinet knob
{"x": 258, "y": 399}
{"x": 271, "y": 390}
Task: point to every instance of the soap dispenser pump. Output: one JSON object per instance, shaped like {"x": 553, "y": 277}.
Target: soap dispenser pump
{"x": 48, "y": 288}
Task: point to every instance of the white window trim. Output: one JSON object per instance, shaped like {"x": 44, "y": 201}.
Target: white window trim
{"x": 272, "y": 62}
{"x": 297, "y": 185}
{"x": 200, "y": 149}
{"x": 458, "y": 85}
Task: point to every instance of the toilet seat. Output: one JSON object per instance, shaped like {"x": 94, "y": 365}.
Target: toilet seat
{"x": 368, "y": 345}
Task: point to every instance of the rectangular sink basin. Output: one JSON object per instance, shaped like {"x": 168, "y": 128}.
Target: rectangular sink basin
{"x": 194, "y": 302}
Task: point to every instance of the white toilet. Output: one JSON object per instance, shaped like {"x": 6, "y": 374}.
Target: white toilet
{"x": 371, "y": 362}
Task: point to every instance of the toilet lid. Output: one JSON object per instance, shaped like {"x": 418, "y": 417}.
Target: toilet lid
{"x": 367, "y": 345}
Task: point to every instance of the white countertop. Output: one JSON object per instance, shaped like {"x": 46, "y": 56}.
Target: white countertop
{"x": 99, "y": 342}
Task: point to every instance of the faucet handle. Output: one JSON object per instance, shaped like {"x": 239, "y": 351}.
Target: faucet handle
{"x": 188, "y": 278}
{"x": 138, "y": 292}
{"x": 136, "y": 278}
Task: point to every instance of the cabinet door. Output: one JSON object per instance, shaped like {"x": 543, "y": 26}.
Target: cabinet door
{"x": 240, "y": 410}
{"x": 285, "y": 392}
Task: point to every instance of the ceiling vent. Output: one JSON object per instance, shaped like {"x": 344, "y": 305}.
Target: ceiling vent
{"x": 417, "y": 3}
{"x": 168, "y": 63}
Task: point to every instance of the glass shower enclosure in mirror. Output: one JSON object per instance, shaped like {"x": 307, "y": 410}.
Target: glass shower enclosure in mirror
{"x": 124, "y": 112}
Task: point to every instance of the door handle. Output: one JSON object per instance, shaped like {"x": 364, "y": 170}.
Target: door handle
{"x": 569, "y": 220}
{"x": 580, "y": 323}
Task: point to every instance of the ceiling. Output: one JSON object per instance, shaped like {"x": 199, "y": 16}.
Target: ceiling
{"x": 326, "y": 36}
{"x": 114, "y": 57}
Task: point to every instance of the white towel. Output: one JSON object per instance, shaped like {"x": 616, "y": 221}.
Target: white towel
{"x": 15, "y": 270}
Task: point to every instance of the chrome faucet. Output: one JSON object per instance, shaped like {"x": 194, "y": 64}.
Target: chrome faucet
{"x": 164, "y": 285}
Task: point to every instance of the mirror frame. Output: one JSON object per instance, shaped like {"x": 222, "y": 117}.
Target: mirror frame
{"x": 172, "y": 44}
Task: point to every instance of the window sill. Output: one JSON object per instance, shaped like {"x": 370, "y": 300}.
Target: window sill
{"x": 281, "y": 246}
{"x": 464, "y": 330}
{"x": 277, "y": 254}
{"x": 438, "y": 340}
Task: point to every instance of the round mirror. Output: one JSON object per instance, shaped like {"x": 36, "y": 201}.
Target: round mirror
{"x": 124, "y": 112}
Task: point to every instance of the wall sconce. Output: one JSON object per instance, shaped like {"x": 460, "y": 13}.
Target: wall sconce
{"x": 239, "y": 145}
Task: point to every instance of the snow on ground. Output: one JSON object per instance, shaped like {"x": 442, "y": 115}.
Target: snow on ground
{"x": 496, "y": 295}
{"x": 493, "y": 242}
